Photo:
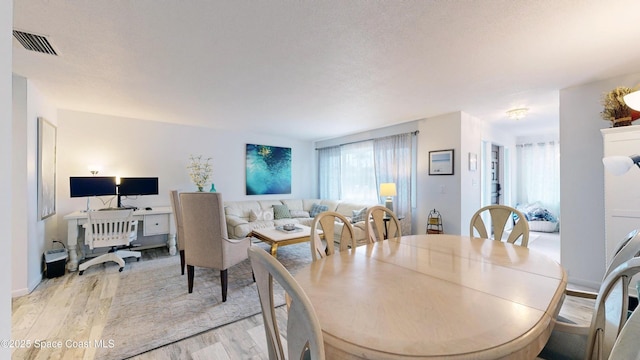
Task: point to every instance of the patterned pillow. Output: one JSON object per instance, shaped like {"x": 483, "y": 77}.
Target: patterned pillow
{"x": 266, "y": 214}
{"x": 317, "y": 209}
{"x": 358, "y": 215}
{"x": 299, "y": 213}
{"x": 281, "y": 212}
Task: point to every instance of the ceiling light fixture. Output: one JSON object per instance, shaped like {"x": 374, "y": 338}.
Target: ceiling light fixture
{"x": 517, "y": 114}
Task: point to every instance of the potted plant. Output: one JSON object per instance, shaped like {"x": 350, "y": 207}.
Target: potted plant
{"x": 615, "y": 110}
{"x": 199, "y": 171}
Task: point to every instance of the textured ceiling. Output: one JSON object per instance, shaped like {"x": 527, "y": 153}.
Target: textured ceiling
{"x": 320, "y": 69}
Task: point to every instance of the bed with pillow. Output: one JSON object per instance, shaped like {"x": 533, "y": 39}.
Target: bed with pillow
{"x": 539, "y": 218}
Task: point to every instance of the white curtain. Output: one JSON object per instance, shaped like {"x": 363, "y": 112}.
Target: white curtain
{"x": 329, "y": 172}
{"x": 539, "y": 175}
{"x": 393, "y": 163}
{"x": 357, "y": 172}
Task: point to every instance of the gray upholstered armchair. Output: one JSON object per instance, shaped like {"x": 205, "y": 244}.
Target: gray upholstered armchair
{"x": 206, "y": 240}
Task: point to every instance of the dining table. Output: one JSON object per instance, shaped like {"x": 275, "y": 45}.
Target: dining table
{"x": 435, "y": 296}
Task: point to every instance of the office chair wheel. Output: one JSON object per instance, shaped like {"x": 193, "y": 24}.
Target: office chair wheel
{"x": 81, "y": 272}
{"x": 122, "y": 268}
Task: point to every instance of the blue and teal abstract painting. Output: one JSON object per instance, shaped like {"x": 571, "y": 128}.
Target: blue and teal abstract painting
{"x": 268, "y": 170}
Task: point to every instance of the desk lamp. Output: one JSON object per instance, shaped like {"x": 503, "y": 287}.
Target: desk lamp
{"x": 388, "y": 190}
{"x": 618, "y": 165}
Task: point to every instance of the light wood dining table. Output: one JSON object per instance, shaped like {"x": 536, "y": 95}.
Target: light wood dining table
{"x": 435, "y": 297}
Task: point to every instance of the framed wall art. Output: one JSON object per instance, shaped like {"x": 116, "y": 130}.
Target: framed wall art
{"x": 441, "y": 162}
{"x": 268, "y": 170}
{"x": 46, "y": 169}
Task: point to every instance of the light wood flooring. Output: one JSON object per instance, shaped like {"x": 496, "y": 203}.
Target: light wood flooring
{"x": 76, "y": 307}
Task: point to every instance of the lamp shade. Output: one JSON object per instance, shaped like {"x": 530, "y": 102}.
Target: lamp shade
{"x": 617, "y": 165}
{"x": 388, "y": 189}
{"x": 632, "y": 100}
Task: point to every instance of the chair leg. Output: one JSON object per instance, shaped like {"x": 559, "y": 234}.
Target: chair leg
{"x": 223, "y": 280}
{"x": 190, "y": 271}
{"x": 182, "y": 261}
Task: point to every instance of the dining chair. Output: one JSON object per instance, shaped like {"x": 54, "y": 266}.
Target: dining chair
{"x": 206, "y": 241}
{"x": 304, "y": 334}
{"x": 382, "y": 224}
{"x": 177, "y": 217}
{"x": 326, "y": 221}
{"x": 626, "y": 249}
{"x": 594, "y": 342}
{"x": 113, "y": 229}
{"x": 500, "y": 216}
{"x": 626, "y": 345}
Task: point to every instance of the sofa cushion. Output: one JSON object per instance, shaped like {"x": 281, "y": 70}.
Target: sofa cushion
{"x": 358, "y": 215}
{"x": 281, "y": 212}
{"x": 317, "y": 209}
{"x": 266, "y": 214}
{"x": 299, "y": 213}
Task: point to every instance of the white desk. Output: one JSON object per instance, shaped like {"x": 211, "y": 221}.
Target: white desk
{"x": 158, "y": 221}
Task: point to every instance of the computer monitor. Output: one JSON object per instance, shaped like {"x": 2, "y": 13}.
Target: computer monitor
{"x": 85, "y": 186}
{"x": 133, "y": 186}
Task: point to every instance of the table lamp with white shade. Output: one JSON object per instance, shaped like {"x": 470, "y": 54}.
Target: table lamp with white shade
{"x": 388, "y": 190}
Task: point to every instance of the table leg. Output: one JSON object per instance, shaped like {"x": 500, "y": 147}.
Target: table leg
{"x": 274, "y": 250}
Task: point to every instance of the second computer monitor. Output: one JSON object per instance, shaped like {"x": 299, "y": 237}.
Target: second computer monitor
{"x": 132, "y": 186}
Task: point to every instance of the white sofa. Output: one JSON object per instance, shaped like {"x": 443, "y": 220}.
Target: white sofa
{"x": 239, "y": 217}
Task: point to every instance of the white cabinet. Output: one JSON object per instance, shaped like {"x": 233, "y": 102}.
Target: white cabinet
{"x": 621, "y": 193}
{"x": 155, "y": 224}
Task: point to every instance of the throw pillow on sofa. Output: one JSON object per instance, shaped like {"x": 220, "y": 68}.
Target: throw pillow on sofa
{"x": 256, "y": 215}
{"x": 358, "y": 215}
{"x": 299, "y": 214}
{"x": 281, "y": 212}
{"x": 317, "y": 209}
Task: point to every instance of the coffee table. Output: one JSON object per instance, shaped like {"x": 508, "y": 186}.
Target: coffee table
{"x": 276, "y": 238}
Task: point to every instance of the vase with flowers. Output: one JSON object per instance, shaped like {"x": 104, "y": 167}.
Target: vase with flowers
{"x": 200, "y": 170}
{"x": 615, "y": 109}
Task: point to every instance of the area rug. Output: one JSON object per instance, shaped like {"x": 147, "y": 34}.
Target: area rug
{"x": 152, "y": 307}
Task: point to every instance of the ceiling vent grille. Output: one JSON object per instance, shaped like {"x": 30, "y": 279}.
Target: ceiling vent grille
{"x": 34, "y": 42}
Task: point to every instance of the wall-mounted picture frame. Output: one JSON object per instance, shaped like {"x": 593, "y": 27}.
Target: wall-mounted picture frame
{"x": 268, "y": 170}
{"x": 46, "y": 169}
{"x": 473, "y": 161}
{"x": 441, "y": 162}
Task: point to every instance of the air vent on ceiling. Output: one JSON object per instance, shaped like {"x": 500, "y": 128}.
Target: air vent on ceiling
{"x": 34, "y": 42}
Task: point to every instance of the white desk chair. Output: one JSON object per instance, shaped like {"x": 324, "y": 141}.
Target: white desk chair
{"x": 113, "y": 228}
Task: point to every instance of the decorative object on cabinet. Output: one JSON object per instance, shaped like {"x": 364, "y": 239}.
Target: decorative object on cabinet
{"x": 46, "y": 169}
{"x": 441, "y": 162}
{"x": 200, "y": 171}
{"x": 615, "y": 109}
{"x": 268, "y": 170}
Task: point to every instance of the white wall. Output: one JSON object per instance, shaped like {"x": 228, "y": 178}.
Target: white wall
{"x": 6, "y": 13}
{"x": 134, "y": 147}
{"x": 440, "y": 192}
{"x": 582, "y": 179}
{"x": 30, "y": 237}
{"x": 470, "y": 190}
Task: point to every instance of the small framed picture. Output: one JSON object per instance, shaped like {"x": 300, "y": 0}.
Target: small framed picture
{"x": 473, "y": 161}
{"x": 441, "y": 162}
